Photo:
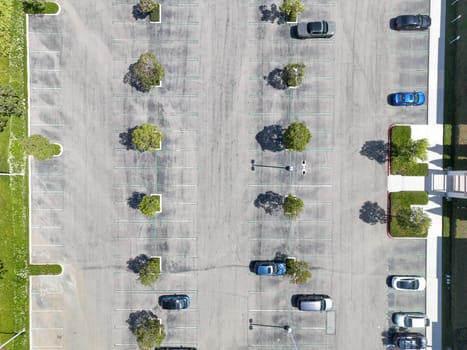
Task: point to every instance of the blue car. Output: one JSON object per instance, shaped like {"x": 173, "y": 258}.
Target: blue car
{"x": 415, "y": 98}
{"x": 269, "y": 268}
{"x": 174, "y": 302}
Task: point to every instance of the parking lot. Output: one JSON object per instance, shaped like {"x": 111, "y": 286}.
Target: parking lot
{"x": 211, "y": 106}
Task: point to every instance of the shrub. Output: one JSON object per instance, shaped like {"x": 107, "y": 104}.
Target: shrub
{"x": 292, "y": 206}
{"x": 33, "y": 6}
{"x": 147, "y": 6}
{"x": 148, "y": 71}
{"x": 298, "y": 271}
{"x": 40, "y": 147}
{"x": 147, "y": 137}
{"x": 292, "y": 9}
{"x": 6, "y": 17}
{"x": 296, "y": 137}
{"x": 294, "y": 74}
{"x": 11, "y": 103}
{"x": 150, "y": 271}
{"x": 149, "y": 205}
{"x": 155, "y": 15}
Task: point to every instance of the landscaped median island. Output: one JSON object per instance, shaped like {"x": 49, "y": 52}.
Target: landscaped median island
{"x": 406, "y": 153}
{"x": 34, "y": 7}
{"x": 406, "y": 219}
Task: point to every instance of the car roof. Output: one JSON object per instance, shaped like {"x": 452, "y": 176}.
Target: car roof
{"x": 409, "y": 19}
{"x": 315, "y": 27}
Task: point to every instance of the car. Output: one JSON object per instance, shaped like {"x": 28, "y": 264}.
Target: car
{"x": 320, "y": 29}
{"x": 412, "y": 22}
{"x": 410, "y": 341}
{"x": 270, "y": 268}
{"x": 313, "y": 302}
{"x": 174, "y": 301}
{"x": 411, "y": 283}
{"x": 410, "y": 319}
{"x": 415, "y": 98}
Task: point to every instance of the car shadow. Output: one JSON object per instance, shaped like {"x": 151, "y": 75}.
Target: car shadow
{"x": 392, "y": 23}
{"x": 389, "y": 100}
{"x": 388, "y": 281}
{"x": 294, "y": 300}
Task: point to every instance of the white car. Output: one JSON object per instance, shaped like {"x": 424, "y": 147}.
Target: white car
{"x": 410, "y": 319}
{"x": 411, "y": 283}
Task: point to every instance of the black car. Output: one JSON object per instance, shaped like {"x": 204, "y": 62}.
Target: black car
{"x": 410, "y": 341}
{"x": 412, "y": 22}
{"x": 174, "y": 302}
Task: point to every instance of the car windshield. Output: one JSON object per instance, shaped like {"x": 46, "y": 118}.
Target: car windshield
{"x": 415, "y": 98}
{"x": 408, "y": 344}
{"x": 408, "y": 284}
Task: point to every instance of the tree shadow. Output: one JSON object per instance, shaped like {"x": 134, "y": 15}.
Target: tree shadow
{"x": 138, "y": 13}
{"x": 135, "y": 264}
{"x": 375, "y": 150}
{"x": 135, "y": 199}
{"x": 126, "y": 138}
{"x": 271, "y": 138}
{"x": 131, "y": 79}
{"x": 270, "y": 201}
{"x": 138, "y": 317}
{"x": 372, "y": 213}
{"x": 276, "y": 79}
{"x": 272, "y": 14}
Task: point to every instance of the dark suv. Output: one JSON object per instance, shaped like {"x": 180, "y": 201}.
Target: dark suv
{"x": 410, "y": 341}
{"x": 412, "y": 22}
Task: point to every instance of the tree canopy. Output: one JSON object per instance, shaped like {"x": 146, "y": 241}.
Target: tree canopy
{"x": 40, "y": 147}
{"x": 294, "y": 74}
{"x": 148, "y": 71}
{"x": 150, "y": 271}
{"x": 297, "y": 136}
{"x": 414, "y": 221}
{"x": 149, "y": 334}
{"x": 147, "y": 6}
{"x": 292, "y": 206}
{"x": 150, "y": 205}
{"x": 298, "y": 271}
{"x": 11, "y": 103}
{"x": 292, "y": 9}
{"x": 147, "y": 137}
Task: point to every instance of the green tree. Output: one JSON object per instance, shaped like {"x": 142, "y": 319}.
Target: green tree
{"x": 294, "y": 74}
{"x": 298, "y": 271}
{"x": 149, "y": 205}
{"x": 296, "y": 137}
{"x": 292, "y": 206}
{"x": 292, "y": 9}
{"x": 414, "y": 221}
{"x": 40, "y": 147}
{"x": 11, "y": 104}
{"x": 147, "y": 137}
{"x": 148, "y": 71}
{"x": 147, "y": 6}
{"x": 149, "y": 334}
{"x": 412, "y": 150}
{"x": 33, "y": 6}
{"x": 150, "y": 271}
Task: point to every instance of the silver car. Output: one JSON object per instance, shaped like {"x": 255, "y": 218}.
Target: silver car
{"x": 321, "y": 29}
{"x": 410, "y": 319}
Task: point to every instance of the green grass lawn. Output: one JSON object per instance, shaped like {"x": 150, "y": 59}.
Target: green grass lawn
{"x": 400, "y": 135}
{"x": 14, "y": 252}
{"x": 405, "y": 199}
